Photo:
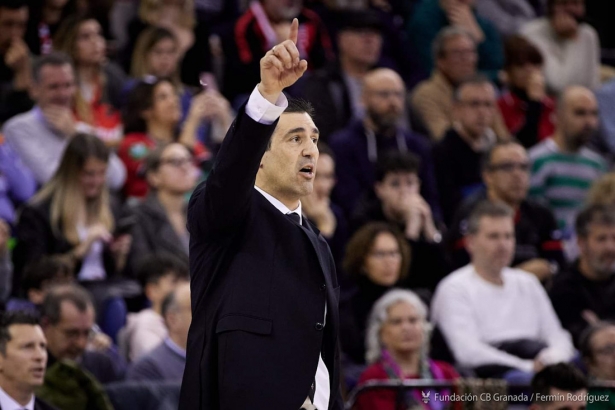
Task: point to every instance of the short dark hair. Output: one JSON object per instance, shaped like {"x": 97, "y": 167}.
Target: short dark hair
{"x": 54, "y": 59}
{"x": 443, "y": 37}
{"x": 518, "y": 51}
{"x": 487, "y": 209}
{"x": 140, "y": 98}
{"x": 155, "y": 266}
{"x": 488, "y": 155}
{"x": 15, "y": 317}
{"x": 13, "y": 4}
{"x": 599, "y": 214}
{"x": 395, "y": 161}
{"x": 51, "y": 308}
{"x": 585, "y": 340}
{"x": 561, "y": 376}
{"x": 44, "y": 270}
{"x": 299, "y": 106}
{"x": 476, "y": 79}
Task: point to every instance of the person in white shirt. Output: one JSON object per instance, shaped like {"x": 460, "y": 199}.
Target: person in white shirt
{"x": 23, "y": 359}
{"x": 497, "y": 319}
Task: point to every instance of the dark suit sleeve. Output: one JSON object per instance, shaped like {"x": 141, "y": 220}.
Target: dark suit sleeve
{"x": 33, "y": 231}
{"x": 220, "y": 204}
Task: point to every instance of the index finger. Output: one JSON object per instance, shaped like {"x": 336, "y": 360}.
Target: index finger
{"x": 294, "y": 30}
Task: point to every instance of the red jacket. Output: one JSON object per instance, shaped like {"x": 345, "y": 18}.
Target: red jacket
{"x": 514, "y": 110}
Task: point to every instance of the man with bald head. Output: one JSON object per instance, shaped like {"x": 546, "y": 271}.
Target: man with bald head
{"x": 358, "y": 146}
{"x": 563, "y": 168}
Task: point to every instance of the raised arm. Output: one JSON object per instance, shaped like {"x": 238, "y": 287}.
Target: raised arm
{"x": 219, "y": 205}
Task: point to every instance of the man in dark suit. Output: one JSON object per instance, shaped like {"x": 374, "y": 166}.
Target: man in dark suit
{"x": 264, "y": 289}
{"x": 23, "y": 357}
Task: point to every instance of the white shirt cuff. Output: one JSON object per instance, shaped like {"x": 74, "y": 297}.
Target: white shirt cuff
{"x": 262, "y": 111}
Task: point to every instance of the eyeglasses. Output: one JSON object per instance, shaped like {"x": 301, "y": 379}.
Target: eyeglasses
{"x": 608, "y": 350}
{"x": 510, "y": 166}
{"x": 385, "y": 254}
{"x": 176, "y": 162}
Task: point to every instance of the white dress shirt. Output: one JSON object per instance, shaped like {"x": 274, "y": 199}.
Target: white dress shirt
{"x": 8, "y": 403}
{"x": 262, "y": 111}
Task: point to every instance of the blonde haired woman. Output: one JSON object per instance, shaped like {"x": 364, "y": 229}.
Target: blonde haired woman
{"x": 71, "y": 216}
{"x": 397, "y": 348}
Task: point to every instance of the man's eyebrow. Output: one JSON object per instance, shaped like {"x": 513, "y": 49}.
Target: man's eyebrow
{"x": 301, "y": 129}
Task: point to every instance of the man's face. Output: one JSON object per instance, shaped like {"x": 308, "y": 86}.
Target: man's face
{"x": 403, "y": 331}
{"x": 56, "y": 86}
{"x": 384, "y": 96}
{"x": 68, "y": 338}
{"x": 459, "y": 59}
{"x": 493, "y": 245}
{"x": 25, "y": 360}
{"x": 507, "y": 175}
{"x": 476, "y": 109}
{"x": 361, "y": 46}
{"x": 180, "y": 318}
{"x": 598, "y": 249}
{"x": 282, "y": 10}
{"x": 578, "y": 119}
{"x": 324, "y": 180}
{"x": 570, "y": 400}
{"x": 288, "y": 167}
{"x": 13, "y": 23}
{"x": 602, "y": 344}
{"x": 394, "y": 189}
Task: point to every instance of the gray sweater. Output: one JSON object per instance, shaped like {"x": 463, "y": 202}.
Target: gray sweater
{"x": 41, "y": 148}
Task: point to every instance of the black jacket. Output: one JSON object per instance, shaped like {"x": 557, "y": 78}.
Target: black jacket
{"x": 259, "y": 285}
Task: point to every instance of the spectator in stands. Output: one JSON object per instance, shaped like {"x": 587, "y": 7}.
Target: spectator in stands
{"x": 72, "y": 216}
{"x": 559, "y": 386}
{"x": 265, "y": 24}
{"x": 15, "y": 67}
{"x": 40, "y": 136}
{"x": 398, "y": 349}
{"x": 23, "y": 358}
{"x": 399, "y": 202}
{"x": 597, "y": 347}
{"x": 431, "y": 16}
{"x": 377, "y": 258}
{"x": 167, "y": 360}
{"x": 327, "y": 216}
{"x": 6, "y": 267}
{"x": 455, "y": 58}
{"x": 506, "y": 174}
{"x": 497, "y": 320}
{"x": 45, "y": 19}
{"x": 38, "y": 277}
{"x": 509, "y": 15}
{"x": 606, "y": 101}
{"x": 563, "y": 168}
{"x": 529, "y": 113}
{"x": 159, "y": 275}
{"x": 602, "y": 191}
{"x": 358, "y": 146}
{"x": 99, "y": 83}
{"x": 585, "y": 292}
{"x": 179, "y": 18}
{"x": 457, "y": 157}
{"x": 152, "y": 118}
{"x": 17, "y": 183}
{"x": 570, "y": 46}
{"x": 161, "y": 219}
{"x": 67, "y": 318}
{"x": 335, "y": 91}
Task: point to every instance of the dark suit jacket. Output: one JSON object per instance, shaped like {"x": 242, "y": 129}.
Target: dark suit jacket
{"x": 41, "y": 405}
{"x": 259, "y": 286}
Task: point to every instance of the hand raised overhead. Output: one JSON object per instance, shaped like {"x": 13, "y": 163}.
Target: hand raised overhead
{"x": 281, "y": 66}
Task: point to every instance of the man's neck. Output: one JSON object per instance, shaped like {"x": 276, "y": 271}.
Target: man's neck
{"x": 560, "y": 141}
{"x": 179, "y": 341}
{"x": 352, "y": 68}
{"x": 171, "y": 202}
{"x": 492, "y": 196}
{"x": 290, "y": 203}
{"x": 408, "y": 362}
{"x": 491, "y": 275}
{"x": 587, "y": 271}
{"x": 21, "y": 396}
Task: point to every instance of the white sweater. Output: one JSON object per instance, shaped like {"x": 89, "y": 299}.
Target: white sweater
{"x": 474, "y": 314}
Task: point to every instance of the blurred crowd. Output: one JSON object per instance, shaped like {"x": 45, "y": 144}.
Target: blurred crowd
{"x": 464, "y": 186}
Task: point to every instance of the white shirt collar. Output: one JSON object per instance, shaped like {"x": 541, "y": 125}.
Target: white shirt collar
{"x": 8, "y": 403}
{"x": 279, "y": 205}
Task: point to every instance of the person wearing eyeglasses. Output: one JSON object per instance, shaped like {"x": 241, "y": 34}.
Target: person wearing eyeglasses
{"x": 584, "y": 293}
{"x": 506, "y": 174}
{"x": 597, "y": 347}
{"x": 377, "y": 258}
{"x": 457, "y": 156}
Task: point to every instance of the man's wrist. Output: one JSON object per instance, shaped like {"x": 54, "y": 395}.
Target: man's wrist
{"x": 271, "y": 96}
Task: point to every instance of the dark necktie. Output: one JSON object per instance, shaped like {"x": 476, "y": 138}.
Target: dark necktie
{"x": 294, "y": 217}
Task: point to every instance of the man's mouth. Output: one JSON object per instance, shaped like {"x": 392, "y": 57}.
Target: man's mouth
{"x": 307, "y": 171}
